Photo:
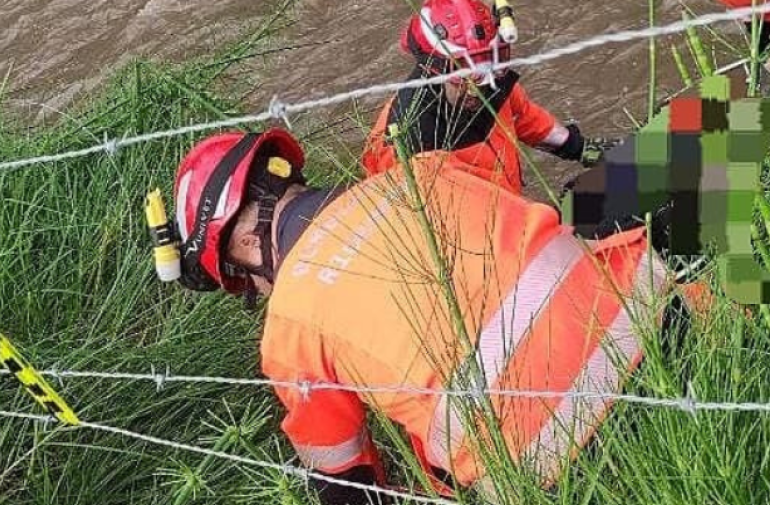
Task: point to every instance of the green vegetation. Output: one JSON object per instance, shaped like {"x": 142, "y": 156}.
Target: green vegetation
{"x": 77, "y": 291}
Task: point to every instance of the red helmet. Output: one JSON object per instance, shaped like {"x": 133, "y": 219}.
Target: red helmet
{"x": 212, "y": 185}
{"x": 450, "y": 34}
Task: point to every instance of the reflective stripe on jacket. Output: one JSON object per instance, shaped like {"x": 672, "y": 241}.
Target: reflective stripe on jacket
{"x": 356, "y": 303}
{"x": 496, "y": 159}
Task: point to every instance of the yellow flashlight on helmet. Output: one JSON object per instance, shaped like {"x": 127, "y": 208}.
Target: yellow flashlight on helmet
{"x": 508, "y": 31}
{"x": 166, "y": 252}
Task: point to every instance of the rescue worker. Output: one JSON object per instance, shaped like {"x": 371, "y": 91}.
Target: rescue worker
{"x": 355, "y": 302}
{"x": 447, "y": 35}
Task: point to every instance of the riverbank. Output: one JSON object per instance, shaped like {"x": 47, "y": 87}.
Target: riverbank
{"x": 77, "y": 291}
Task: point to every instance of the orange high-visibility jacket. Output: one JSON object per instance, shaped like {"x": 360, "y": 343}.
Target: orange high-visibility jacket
{"x": 496, "y": 159}
{"x": 735, "y": 4}
{"x": 356, "y": 303}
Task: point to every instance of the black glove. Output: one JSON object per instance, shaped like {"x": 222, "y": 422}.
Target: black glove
{"x": 661, "y": 227}
{"x": 337, "y": 494}
{"x": 588, "y": 151}
{"x": 572, "y": 148}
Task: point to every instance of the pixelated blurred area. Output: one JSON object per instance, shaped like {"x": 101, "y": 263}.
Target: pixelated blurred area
{"x": 699, "y": 160}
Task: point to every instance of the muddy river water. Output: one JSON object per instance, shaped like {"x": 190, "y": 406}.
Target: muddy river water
{"x": 58, "y": 49}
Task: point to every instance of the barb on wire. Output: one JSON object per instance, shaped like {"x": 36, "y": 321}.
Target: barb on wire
{"x": 277, "y": 109}
{"x": 281, "y": 109}
{"x": 110, "y": 145}
{"x": 160, "y": 378}
{"x": 691, "y": 402}
{"x": 687, "y": 404}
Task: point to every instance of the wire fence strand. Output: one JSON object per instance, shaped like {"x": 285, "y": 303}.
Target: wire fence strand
{"x": 31, "y": 417}
{"x": 302, "y": 473}
{"x": 686, "y": 404}
{"x": 286, "y": 469}
{"x": 281, "y": 110}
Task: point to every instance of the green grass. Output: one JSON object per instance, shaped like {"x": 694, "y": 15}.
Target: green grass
{"x": 77, "y": 291}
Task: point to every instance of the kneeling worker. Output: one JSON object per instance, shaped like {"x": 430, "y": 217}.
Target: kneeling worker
{"x": 356, "y": 302}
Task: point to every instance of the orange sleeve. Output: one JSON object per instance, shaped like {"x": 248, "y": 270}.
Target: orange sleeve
{"x": 327, "y": 427}
{"x": 533, "y": 123}
{"x": 378, "y": 155}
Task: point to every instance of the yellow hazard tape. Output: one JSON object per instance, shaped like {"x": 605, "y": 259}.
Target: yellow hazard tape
{"x": 35, "y": 384}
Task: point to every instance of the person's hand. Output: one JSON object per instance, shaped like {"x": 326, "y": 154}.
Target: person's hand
{"x": 594, "y": 149}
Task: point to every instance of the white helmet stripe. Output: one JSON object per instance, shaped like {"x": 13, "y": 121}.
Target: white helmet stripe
{"x": 444, "y": 47}
{"x": 181, "y": 205}
{"x": 222, "y": 203}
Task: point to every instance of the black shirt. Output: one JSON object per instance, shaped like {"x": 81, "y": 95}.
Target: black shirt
{"x": 299, "y": 213}
{"x": 433, "y": 123}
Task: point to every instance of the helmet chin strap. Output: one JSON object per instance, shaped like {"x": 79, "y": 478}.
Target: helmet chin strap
{"x": 263, "y": 230}
{"x": 270, "y": 182}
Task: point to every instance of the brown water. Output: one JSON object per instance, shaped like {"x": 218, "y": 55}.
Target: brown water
{"x": 61, "y": 48}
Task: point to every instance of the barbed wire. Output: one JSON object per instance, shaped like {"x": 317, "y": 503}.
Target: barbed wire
{"x": 286, "y": 469}
{"x": 302, "y": 473}
{"x": 281, "y": 110}
{"x": 688, "y": 404}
